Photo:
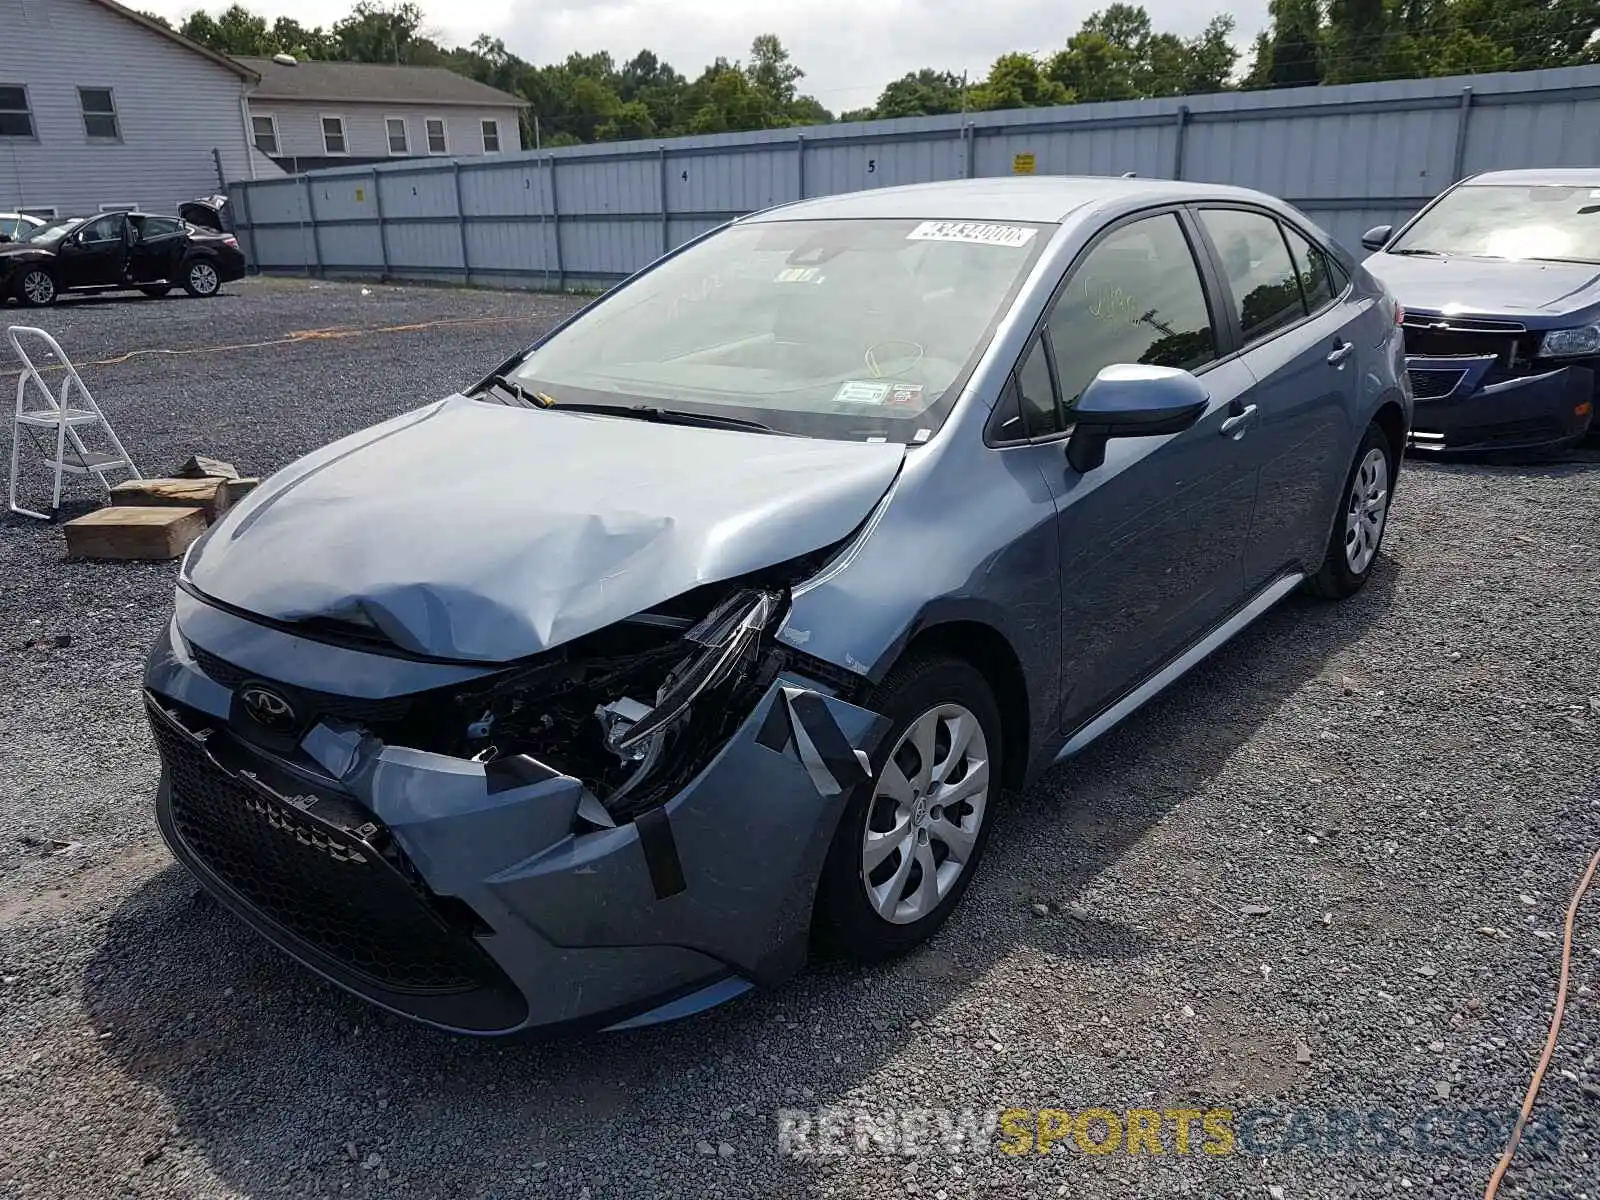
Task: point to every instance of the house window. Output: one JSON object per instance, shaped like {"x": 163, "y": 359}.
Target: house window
{"x": 399, "y": 141}
{"x": 435, "y": 128}
{"x": 15, "y": 118}
{"x": 264, "y": 130}
{"x": 333, "y": 135}
{"x": 491, "y": 137}
{"x": 99, "y": 113}
{"x": 112, "y": 208}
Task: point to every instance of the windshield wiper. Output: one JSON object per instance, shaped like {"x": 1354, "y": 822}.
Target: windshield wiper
{"x": 521, "y": 394}
{"x": 1418, "y": 251}
{"x": 668, "y": 416}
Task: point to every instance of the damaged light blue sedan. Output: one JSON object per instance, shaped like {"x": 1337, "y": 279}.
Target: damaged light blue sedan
{"x": 712, "y": 625}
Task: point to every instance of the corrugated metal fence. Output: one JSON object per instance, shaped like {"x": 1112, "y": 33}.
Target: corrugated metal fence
{"x": 1351, "y": 157}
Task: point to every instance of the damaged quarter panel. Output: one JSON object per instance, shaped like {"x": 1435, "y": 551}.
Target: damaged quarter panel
{"x": 477, "y": 532}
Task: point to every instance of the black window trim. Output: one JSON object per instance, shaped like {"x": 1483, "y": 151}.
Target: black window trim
{"x": 1236, "y": 334}
{"x": 1223, "y": 332}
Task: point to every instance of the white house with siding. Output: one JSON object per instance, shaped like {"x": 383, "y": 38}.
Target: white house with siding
{"x": 101, "y": 107}
{"x": 310, "y": 114}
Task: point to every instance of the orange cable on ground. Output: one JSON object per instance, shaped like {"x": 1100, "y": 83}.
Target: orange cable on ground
{"x": 1549, "y": 1042}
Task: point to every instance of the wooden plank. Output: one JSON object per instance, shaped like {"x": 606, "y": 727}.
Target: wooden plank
{"x": 198, "y": 467}
{"x": 240, "y": 488}
{"x": 123, "y": 531}
{"x": 212, "y": 494}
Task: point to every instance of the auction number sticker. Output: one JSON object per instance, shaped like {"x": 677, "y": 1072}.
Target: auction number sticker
{"x": 861, "y": 391}
{"x": 979, "y": 233}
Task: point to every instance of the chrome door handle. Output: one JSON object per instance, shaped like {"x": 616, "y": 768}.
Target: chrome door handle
{"x": 1339, "y": 353}
{"x": 1236, "y": 425}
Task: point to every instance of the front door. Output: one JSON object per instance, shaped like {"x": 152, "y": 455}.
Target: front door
{"x": 96, "y": 254}
{"x": 1153, "y": 540}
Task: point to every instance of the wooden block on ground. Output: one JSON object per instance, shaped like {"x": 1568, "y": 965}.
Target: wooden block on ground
{"x": 238, "y": 489}
{"x": 123, "y": 531}
{"x": 199, "y": 466}
{"x": 213, "y": 494}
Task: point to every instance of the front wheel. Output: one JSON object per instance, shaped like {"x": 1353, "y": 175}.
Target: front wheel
{"x": 910, "y": 839}
{"x": 1363, "y": 517}
{"x": 201, "y": 279}
{"x": 37, "y": 288}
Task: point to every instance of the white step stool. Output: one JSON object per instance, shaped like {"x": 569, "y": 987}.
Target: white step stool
{"x": 69, "y": 416}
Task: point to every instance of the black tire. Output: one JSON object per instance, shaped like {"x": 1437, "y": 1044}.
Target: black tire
{"x": 845, "y": 923}
{"x": 1337, "y": 578}
{"x": 157, "y": 290}
{"x": 32, "y": 287}
{"x": 201, "y": 279}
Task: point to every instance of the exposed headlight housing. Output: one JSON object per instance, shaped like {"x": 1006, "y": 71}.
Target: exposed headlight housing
{"x": 1571, "y": 343}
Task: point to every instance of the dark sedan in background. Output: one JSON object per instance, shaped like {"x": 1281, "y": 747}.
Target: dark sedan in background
{"x": 118, "y": 252}
{"x": 1500, "y": 280}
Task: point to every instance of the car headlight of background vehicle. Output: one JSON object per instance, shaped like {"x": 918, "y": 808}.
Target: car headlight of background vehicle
{"x": 1571, "y": 343}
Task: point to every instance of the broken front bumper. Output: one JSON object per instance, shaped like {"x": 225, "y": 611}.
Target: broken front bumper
{"x": 1459, "y": 412}
{"x": 479, "y": 898}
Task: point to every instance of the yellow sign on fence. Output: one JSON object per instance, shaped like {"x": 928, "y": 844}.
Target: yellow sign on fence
{"x": 361, "y": 194}
{"x": 1022, "y": 164}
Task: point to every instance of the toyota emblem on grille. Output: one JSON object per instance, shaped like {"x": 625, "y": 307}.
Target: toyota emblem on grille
{"x": 267, "y": 708}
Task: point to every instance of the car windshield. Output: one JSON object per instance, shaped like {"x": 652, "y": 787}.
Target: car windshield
{"x": 1491, "y": 220}
{"x": 50, "y": 232}
{"x": 839, "y": 329}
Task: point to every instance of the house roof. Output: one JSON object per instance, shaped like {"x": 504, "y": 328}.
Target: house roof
{"x": 377, "y": 83}
{"x": 155, "y": 27}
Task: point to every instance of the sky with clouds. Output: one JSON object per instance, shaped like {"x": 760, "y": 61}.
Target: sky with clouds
{"x": 848, "y": 48}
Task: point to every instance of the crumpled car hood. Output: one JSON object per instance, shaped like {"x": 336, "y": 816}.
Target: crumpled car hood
{"x": 470, "y": 530}
{"x": 1487, "y": 286}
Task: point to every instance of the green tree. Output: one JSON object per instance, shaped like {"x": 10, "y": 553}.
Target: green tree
{"x": 1017, "y": 81}
{"x": 923, "y": 93}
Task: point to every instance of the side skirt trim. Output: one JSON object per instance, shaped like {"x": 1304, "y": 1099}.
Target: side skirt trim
{"x": 1180, "y": 666}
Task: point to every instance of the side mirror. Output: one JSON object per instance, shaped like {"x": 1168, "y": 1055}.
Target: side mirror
{"x": 1377, "y": 237}
{"x": 1132, "y": 400}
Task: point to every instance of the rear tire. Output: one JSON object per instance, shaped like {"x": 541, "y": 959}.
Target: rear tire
{"x": 157, "y": 290}
{"x": 910, "y": 839}
{"x": 1362, "y": 520}
{"x": 37, "y": 288}
{"x": 200, "y": 279}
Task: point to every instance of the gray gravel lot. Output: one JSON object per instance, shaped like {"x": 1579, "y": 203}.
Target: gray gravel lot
{"x": 1322, "y": 875}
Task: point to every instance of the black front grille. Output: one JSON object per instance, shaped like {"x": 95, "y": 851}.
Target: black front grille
{"x": 342, "y": 891}
{"x": 1465, "y": 337}
{"x": 309, "y": 704}
{"x": 1430, "y": 385}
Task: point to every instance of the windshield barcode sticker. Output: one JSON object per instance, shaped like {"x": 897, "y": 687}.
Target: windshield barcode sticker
{"x": 978, "y": 232}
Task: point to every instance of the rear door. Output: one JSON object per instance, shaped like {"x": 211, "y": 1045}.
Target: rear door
{"x": 1287, "y": 302}
{"x": 95, "y": 255}
{"x": 157, "y": 246}
{"x": 1152, "y": 541}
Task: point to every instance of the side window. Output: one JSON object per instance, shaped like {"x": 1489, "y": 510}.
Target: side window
{"x": 1266, "y": 291}
{"x": 1135, "y": 298}
{"x": 105, "y": 229}
{"x": 158, "y": 227}
{"x": 1315, "y": 271}
{"x": 1037, "y": 394}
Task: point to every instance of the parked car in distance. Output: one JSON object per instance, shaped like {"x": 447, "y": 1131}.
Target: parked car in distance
{"x": 16, "y": 226}
{"x": 118, "y": 252}
{"x": 1500, "y": 280}
{"x": 717, "y": 619}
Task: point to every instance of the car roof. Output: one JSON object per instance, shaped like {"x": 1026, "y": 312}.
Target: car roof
{"x": 1558, "y": 176}
{"x": 1042, "y": 198}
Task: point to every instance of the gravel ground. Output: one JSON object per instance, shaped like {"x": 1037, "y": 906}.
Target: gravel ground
{"x": 1324, "y": 875}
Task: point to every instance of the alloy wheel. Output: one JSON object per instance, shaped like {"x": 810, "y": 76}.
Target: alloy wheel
{"x": 927, "y": 809}
{"x": 203, "y": 278}
{"x": 1369, "y": 507}
{"x": 38, "y": 287}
